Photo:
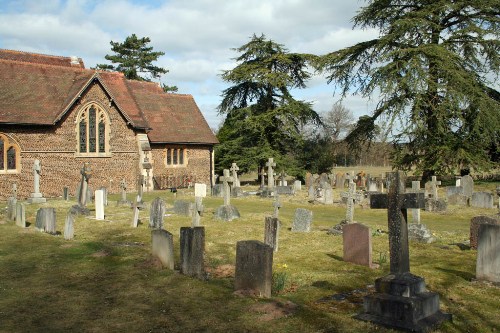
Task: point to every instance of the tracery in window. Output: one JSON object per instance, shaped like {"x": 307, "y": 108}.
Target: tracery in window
{"x": 9, "y": 155}
{"x": 93, "y": 131}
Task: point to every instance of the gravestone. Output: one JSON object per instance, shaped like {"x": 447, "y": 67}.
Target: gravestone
{"x": 283, "y": 181}
{"x": 46, "y": 220}
{"x": 467, "y": 184}
{"x": 482, "y": 200}
{"x": 99, "y": 205}
{"x": 82, "y": 196}
{"x": 200, "y": 190}
{"x": 11, "y": 208}
{"x": 69, "y": 231}
{"x": 183, "y": 207}
{"x": 357, "y": 243}
{"x": 340, "y": 180}
{"x": 476, "y": 222}
{"x": 297, "y": 186}
{"x": 193, "y": 252}
{"x": 217, "y": 190}
{"x": 488, "y": 253}
{"x": 227, "y": 212}
{"x": 156, "y": 213}
{"x": 36, "y": 196}
{"x": 451, "y": 190}
{"x": 135, "y": 215}
{"x": 415, "y": 212}
{"x": 277, "y": 206}
{"x": 262, "y": 175}
{"x": 285, "y": 190}
{"x": 311, "y": 192}
{"x": 431, "y": 188}
{"x": 271, "y": 232}
{"x": 401, "y": 300}
{"x": 270, "y": 173}
{"x": 234, "y": 173}
{"x": 198, "y": 209}
{"x": 123, "y": 194}
{"x": 163, "y": 247}
{"x": 433, "y": 205}
{"x": 302, "y": 220}
{"x": 65, "y": 193}
{"x": 458, "y": 199}
{"x": 351, "y": 198}
{"x": 328, "y": 194}
{"x": 254, "y": 267}
{"x": 21, "y": 214}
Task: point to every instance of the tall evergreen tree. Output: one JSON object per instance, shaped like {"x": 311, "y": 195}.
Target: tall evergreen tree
{"x": 262, "y": 118}
{"x": 435, "y": 65}
{"x": 135, "y": 60}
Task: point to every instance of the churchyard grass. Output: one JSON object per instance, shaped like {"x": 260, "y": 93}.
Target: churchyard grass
{"x": 105, "y": 279}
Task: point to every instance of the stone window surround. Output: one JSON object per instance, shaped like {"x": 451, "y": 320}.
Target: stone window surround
{"x": 8, "y": 143}
{"x": 101, "y": 114}
{"x": 180, "y": 153}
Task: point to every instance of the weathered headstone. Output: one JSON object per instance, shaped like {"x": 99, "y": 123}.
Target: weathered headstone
{"x": 99, "y": 205}
{"x": 302, "y": 220}
{"x": 69, "y": 230}
{"x": 401, "y": 300}
{"x": 198, "y": 209}
{"x": 262, "y": 175}
{"x": 467, "y": 184}
{"x": 277, "y": 206}
{"x": 227, "y": 212}
{"x": 234, "y": 173}
{"x": 415, "y": 212}
{"x": 351, "y": 198}
{"x": 82, "y": 196}
{"x": 433, "y": 205}
{"x": 328, "y": 194}
{"x": 431, "y": 188}
{"x": 271, "y": 232}
{"x": 340, "y": 180}
{"x": 458, "y": 199}
{"x": 311, "y": 192}
{"x": 36, "y": 196}
{"x": 123, "y": 194}
{"x": 297, "y": 186}
{"x": 476, "y": 222}
{"x": 65, "y": 193}
{"x": 357, "y": 243}
{"x": 285, "y": 190}
{"x": 21, "y": 214}
{"x": 11, "y": 208}
{"x": 46, "y": 220}
{"x": 270, "y": 173}
{"x": 14, "y": 190}
{"x": 254, "y": 267}
{"x": 482, "y": 200}
{"x": 193, "y": 251}
{"x": 488, "y": 253}
{"x": 156, "y": 213}
{"x": 163, "y": 247}
{"x": 135, "y": 216}
{"x": 183, "y": 207}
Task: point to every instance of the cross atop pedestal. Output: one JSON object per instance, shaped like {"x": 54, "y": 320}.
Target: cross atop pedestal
{"x": 234, "y": 172}
{"x": 397, "y": 202}
{"x": 270, "y": 173}
{"x": 352, "y": 197}
{"x": 226, "y": 190}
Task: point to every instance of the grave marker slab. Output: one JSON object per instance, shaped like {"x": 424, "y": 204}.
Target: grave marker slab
{"x": 271, "y": 232}
{"x": 200, "y": 190}
{"x": 46, "y": 220}
{"x": 270, "y": 173}
{"x": 488, "y": 253}
{"x": 357, "y": 243}
{"x": 467, "y": 184}
{"x": 163, "y": 247}
{"x": 254, "y": 267}
{"x": 21, "y": 214}
{"x": 99, "y": 204}
{"x": 157, "y": 213}
{"x": 476, "y": 222}
{"x": 193, "y": 251}
{"x": 302, "y": 220}
{"x": 482, "y": 200}
{"x": 69, "y": 231}
{"x": 297, "y": 186}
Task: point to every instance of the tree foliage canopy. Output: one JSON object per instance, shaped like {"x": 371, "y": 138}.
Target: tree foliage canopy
{"x": 135, "y": 60}
{"x": 262, "y": 118}
{"x": 435, "y": 66}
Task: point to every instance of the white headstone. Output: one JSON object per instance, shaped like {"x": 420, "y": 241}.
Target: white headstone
{"x": 99, "y": 204}
{"x": 200, "y": 190}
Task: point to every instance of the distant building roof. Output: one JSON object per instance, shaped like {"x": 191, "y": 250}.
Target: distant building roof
{"x": 39, "y": 89}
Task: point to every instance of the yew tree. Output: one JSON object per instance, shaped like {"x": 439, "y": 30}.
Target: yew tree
{"x": 434, "y": 69}
{"x": 262, "y": 119}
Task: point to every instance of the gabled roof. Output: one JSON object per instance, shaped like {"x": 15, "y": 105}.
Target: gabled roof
{"x": 38, "y": 90}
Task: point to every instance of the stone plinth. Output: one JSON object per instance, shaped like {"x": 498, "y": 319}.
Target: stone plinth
{"x": 271, "y": 232}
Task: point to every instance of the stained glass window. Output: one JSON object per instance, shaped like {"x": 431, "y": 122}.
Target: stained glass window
{"x": 2, "y": 145}
{"x": 92, "y": 130}
{"x": 11, "y": 158}
{"x": 83, "y": 136}
{"x": 102, "y": 137}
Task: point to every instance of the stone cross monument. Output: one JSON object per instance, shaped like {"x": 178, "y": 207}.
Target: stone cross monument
{"x": 352, "y": 197}
{"x": 226, "y": 189}
{"x": 234, "y": 171}
{"x": 270, "y": 173}
{"x": 36, "y": 196}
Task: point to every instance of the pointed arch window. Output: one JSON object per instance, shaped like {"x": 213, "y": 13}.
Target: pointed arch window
{"x": 9, "y": 155}
{"x": 93, "y": 131}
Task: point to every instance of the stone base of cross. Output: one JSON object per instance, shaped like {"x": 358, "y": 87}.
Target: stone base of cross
{"x": 401, "y": 300}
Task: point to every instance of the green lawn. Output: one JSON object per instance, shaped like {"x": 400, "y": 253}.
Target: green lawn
{"x": 105, "y": 280}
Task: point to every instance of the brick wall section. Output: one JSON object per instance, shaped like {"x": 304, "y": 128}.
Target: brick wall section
{"x": 55, "y": 147}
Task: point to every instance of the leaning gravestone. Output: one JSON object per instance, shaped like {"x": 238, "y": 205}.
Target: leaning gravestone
{"x": 156, "y": 213}
{"x": 193, "y": 252}
{"x": 163, "y": 247}
{"x": 357, "y": 243}
{"x": 401, "y": 300}
{"x": 476, "y": 222}
{"x": 46, "y": 220}
{"x": 21, "y": 215}
{"x": 254, "y": 267}
{"x": 302, "y": 220}
{"x": 271, "y": 232}
{"x": 488, "y": 253}
{"x": 69, "y": 230}
{"x": 482, "y": 200}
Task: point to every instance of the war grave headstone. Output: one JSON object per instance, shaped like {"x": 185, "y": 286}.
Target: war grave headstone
{"x": 476, "y": 222}
{"x": 302, "y": 220}
{"x": 482, "y": 200}
{"x": 227, "y": 212}
{"x": 69, "y": 230}
{"x": 254, "y": 267}
{"x": 123, "y": 194}
{"x": 271, "y": 232}
{"x": 193, "y": 251}
{"x": 156, "y": 213}
{"x": 401, "y": 300}
{"x": 162, "y": 243}
{"x": 36, "y": 196}
{"x": 488, "y": 253}
{"x": 81, "y": 207}
{"x": 416, "y": 230}
{"x": 46, "y": 220}
{"x": 99, "y": 205}
{"x": 21, "y": 215}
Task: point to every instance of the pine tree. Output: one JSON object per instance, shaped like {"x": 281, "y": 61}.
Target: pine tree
{"x": 435, "y": 65}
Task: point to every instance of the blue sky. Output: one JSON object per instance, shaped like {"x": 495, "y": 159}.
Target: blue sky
{"x": 196, "y": 35}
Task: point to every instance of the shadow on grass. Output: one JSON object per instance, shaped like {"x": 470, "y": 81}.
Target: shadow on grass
{"x": 467, "y": 276}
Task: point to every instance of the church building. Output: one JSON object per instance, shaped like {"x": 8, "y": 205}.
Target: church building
{"x": 54, "y": 110}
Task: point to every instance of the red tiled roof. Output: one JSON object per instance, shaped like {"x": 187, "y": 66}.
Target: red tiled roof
{"x": 42, "y": 59}
{"x": 39, "y": 89}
